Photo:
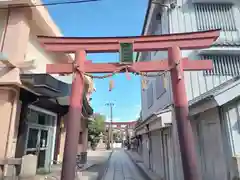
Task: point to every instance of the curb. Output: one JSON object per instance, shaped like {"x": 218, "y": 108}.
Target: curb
{"x": 91, "y": 165}
{"x": 107, "y": 165}
{"x": 140, "y": 168}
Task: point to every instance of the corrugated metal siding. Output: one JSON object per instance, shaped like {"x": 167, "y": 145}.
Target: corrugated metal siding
{"x": 230, "y": 122}
{"x": 184, "y": 19}
{"x": 156, "y": 152}
{"x": 228, "y": 65}
{"x": 211, "y": 146}
{"x": 199, "y": 82}
{"x": 194, "y": 17}
{"x": 215, "y": 16}
{"x": 145, "y": 150}
{"x": 232, "y": 118}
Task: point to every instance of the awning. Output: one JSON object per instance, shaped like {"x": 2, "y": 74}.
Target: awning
{"x": 157, "y": 120}
{"x": 51, "y": 93}
{"x": 46, "y": 85}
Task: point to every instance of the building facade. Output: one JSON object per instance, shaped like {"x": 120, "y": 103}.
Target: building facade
{"x": 32, "y": 102}
{"x": 213, "y": 95}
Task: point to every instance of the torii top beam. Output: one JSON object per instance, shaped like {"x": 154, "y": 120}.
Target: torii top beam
{"x": 193, "y": 40}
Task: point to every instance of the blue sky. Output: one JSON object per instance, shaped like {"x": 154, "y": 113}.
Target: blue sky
{"x": 107, "y": 18}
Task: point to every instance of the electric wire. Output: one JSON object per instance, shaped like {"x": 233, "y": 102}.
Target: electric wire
{"x": 48, "y": 4}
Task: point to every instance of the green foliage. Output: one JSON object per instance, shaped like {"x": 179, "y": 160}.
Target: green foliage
{"x": 95, "y": 128}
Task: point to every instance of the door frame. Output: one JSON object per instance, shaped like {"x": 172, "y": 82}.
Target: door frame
{"x": 48, "y": 147}
{"x": 51, "y": 130}
{"x": 54, "y": 126}
{"x": 34, "y": 126}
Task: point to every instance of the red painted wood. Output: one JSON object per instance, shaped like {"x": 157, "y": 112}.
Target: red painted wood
{"x": 184, "y": 127}
{"x": 172, "y": 42}
{"x": 138, "y": 46}
{"x": 59, "y": 68}
{"x": 73, "y": 126}
{"x": 197, "y": 65}
{"x": 135, "y": 39}
{"x": 148, "y": 66}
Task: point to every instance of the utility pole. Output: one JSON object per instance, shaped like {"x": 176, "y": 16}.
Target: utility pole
{"x": 111, "y": 120}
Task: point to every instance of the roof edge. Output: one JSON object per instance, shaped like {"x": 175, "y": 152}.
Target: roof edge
{"x": 145, "y": 23}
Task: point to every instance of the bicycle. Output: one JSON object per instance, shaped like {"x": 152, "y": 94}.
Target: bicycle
{"x": 77, "y": 169}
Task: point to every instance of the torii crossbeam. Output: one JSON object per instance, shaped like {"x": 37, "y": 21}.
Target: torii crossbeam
{"x": 175, "y": 63}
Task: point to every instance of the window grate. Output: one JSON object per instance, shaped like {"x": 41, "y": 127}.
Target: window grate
{"x": 223, "y": 65}
{"x": 215, "y": 16}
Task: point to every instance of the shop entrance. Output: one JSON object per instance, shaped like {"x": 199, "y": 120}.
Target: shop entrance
{"x": 40, "y": 137}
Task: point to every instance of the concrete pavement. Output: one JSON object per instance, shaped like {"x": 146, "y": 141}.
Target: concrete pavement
{"x": 121, "y": 167}
{"x": 102, "y": 166}
{"x": 90, "y": 171}
{"x": 137, "y": 159}
{"x": 97, "y": 163}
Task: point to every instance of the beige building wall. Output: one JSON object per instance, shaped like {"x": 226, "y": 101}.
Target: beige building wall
{"x": 18, "y": 29}
{"x": 14, "y": 39}
{"x": 36, "y": 52}
{"x": 19, "y": 44}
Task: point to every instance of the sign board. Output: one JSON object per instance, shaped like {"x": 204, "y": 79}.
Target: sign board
{"x": 126, "y": 53}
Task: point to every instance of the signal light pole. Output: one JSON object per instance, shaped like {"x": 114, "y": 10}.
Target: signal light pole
{"x": 110, "y": 132}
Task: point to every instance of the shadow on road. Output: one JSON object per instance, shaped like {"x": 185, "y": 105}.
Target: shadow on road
{"x": 97, "y": 171}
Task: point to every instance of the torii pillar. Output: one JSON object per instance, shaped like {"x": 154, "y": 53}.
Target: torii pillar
{"x": 175, "y": 63}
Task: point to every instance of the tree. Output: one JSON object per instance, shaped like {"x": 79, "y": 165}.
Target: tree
{"x": 96, "y": 127}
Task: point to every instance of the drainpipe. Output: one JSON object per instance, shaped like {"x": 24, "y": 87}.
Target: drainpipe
{"x": 5, "y": 30}
{"x": 13, "y": 113}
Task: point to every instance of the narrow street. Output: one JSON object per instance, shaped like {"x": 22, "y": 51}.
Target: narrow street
{"x": 121, "y": 167}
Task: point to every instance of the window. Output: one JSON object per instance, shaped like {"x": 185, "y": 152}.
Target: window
{"x": 228, "y": 65}
{"x": 41, "y": 119}
{"x": 215, "y": 16}
{"x": 159, "y": 84}
{"x": 157, "y": 26}
{"x": 150, "y": 95}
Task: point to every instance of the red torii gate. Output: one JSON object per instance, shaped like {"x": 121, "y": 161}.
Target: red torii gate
{"x": 173, "y": 43}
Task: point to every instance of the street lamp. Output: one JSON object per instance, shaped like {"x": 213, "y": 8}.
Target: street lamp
{"x": 110, "y": 133}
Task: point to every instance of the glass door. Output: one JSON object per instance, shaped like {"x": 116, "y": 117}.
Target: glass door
{"x": 37, "y": 144}
{"x": 43, "y": 147}
{"x": 32, "y": 142}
